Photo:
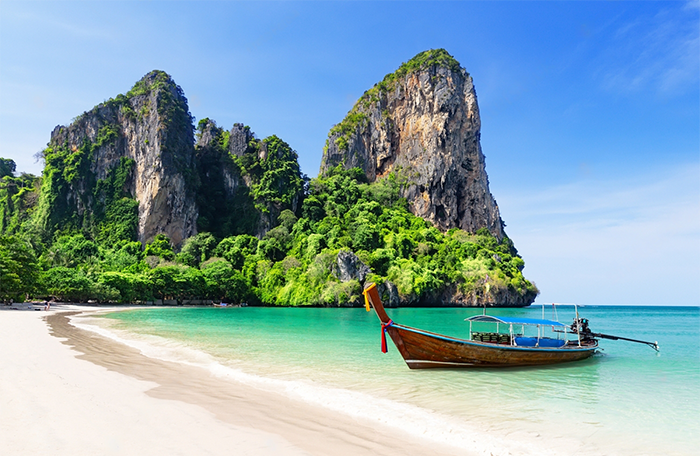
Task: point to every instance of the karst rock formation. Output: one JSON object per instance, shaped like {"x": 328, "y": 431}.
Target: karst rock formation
{"x": 422, "y": 123}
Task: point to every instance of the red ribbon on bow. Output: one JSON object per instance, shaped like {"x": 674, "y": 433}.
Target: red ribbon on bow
{"x": 384, "y": 326}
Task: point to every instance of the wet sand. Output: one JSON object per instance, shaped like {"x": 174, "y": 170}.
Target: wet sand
{"x": 80, "y": 393}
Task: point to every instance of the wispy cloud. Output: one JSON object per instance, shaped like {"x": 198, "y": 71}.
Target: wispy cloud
{"x": 692, "y": 5}
{"x": 659, "y": 52}
{"x": 683, "y": 62}
{"x": 629, "y": 241}
{"x": 76, "y": 28}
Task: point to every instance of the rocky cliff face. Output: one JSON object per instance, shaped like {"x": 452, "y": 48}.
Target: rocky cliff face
{"x": 248, "y": 182}
{"x": 129, "y": 169}
{"x": 422, "y": 122}
{"x": 225, "y": 206}
{"x": 151, "y": 125}
{"x": 131, "y": 163}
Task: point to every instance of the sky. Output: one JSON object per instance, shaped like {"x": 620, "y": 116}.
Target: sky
{"x": 590, "y": 110}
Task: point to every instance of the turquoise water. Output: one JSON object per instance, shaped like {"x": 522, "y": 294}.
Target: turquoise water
{"x": 626, "y": 400}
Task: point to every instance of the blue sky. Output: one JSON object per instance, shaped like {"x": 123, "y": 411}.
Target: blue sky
{"x": 590, "y": 110}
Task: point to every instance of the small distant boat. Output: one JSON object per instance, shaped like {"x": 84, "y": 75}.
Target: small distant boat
{"x": 495, "y": 348}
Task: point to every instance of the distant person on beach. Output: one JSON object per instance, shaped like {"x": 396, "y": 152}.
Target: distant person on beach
{"x": 47, "y": 305}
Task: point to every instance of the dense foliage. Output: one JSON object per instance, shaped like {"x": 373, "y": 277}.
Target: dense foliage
{"x": 293, "y": 264}
{"x": 68, "y": 186}
{"x": 72, "y": 234}
{"x": 343, "y": 213}
{"x": 17, "y": 196}
{"x": 7, "y": 167}
{"x": 269, "y": 167}
{"x": 19, "y": 271}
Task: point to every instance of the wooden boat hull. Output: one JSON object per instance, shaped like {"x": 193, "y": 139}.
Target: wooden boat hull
{"x": 422, "y": 350}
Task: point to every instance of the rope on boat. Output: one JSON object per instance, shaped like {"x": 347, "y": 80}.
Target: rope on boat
{"x": 384, "y": 327}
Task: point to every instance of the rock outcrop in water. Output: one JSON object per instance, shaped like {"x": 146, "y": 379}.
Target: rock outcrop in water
{"x": 422, "y": 122}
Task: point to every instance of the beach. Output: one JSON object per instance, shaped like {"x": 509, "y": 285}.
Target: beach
{"x": 66, "y": 391}
{"x": 293, "y": 381}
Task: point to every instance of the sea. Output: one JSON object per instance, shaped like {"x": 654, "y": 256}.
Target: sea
{"x": 626, "y": 400}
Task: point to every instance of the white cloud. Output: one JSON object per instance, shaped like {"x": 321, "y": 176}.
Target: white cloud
{"x": 624, "y": 241}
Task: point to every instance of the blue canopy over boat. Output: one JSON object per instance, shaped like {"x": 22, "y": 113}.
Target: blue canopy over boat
{"x": 514, "y": 321}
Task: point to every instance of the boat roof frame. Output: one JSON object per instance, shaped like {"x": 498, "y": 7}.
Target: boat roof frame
{"x": 514, "y": 321}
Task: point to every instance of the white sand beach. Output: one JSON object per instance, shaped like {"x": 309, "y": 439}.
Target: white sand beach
{"x": 66, "y": 391}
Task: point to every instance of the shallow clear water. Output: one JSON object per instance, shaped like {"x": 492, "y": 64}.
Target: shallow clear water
{"x": 627, "y": 400}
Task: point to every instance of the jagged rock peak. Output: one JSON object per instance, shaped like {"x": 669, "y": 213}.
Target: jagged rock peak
{"x": 258, "y": 177}
{"x": 422, "y": 123}
{"x": 207, "y": 133}
{"x": 151, "y": 126}
{"x": 154, "y": 80}
{"x": 240, "y": 137}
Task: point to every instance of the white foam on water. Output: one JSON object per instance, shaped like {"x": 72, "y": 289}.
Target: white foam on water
{"x": 411, "y": 419}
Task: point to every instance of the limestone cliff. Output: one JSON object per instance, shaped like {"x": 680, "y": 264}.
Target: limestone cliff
{"x": 150, "y": 126}
{"x": 224, "y": 201}
{"x": 422, "y": 122}
{"x": 248, "y": 182}
{"x": 130, "y": 169}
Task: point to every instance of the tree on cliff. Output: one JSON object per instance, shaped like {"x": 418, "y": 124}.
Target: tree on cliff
{"x": 19, "y": 270}
{"x": 7, "y": 167}
{"x": 115, "y": 215}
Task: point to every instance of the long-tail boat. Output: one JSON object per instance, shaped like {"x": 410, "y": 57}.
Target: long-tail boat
{"x": 423, "y": 349}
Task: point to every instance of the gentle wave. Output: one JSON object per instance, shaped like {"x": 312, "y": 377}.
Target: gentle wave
{"x": 407, "y": 418}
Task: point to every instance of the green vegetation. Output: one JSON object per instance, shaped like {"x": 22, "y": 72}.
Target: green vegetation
{"x": 19, "y": 271}
{"x": 371, "y": 220}
{"x": 155, "y": 80}
{"x": 426, "y": 59}
{"x": 116, "y": 213}
{"x": 270, "y": 166}
{"x": 7, "y": 167}
{"x": 293, "y": 264}
{"x": 69, "y": 186}
{"x": 72, "y": 234}
{"x": 347, "y": 127}
{"x": 18, "y": 195}
{"x": 277, "y": 178}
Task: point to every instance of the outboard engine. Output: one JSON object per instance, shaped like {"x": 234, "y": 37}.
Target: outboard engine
{"x": 580, "y": 326}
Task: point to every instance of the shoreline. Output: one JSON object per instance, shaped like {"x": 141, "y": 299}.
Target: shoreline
{"x": 204, "y": 413}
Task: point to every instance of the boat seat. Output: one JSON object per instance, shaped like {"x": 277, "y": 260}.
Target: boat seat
{"x": 543, "y": 342}
{"x": 526, "y": 341}
{"x": 547, "y": 342}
